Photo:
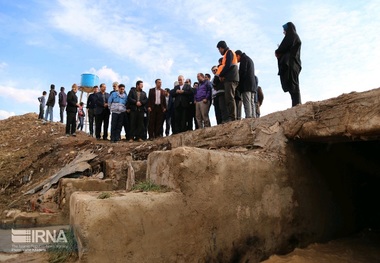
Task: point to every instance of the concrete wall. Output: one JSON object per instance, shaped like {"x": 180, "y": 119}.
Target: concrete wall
{"x": 224, "y": 207}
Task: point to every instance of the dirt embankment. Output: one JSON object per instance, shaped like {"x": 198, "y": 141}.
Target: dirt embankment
{"x": 31, "y": 152}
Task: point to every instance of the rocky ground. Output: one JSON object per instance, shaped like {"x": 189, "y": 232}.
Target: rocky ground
{"x": 31, "y": 152}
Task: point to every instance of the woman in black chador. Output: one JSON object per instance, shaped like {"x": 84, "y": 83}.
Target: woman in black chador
{"x": 289, "y": 62}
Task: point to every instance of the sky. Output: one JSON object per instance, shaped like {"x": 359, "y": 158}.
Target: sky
{"x": 54, "y": 42}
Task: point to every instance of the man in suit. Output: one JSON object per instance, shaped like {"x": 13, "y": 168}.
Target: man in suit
{"x": 137, "y": 101}
{"x": 91, "y": 104}
{"x": 71, "y": 111}
{"x": 169, "y": 112}
{"x": 181, "y": 94}
{"x": 102, "y": 112}
{"x": 156, "y": 109}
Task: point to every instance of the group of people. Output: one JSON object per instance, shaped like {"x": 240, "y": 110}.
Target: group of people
{"x": 231, "y": 88}
{"x": 50, "y": 103}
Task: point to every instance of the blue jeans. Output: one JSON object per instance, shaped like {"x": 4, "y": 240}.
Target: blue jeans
{"x": 49, "y": 110}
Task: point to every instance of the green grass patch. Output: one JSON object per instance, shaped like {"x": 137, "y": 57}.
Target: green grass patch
{"x": 149, "y": 186}
{"x": 60, "y": 253}
{"x": 104, "y": 195}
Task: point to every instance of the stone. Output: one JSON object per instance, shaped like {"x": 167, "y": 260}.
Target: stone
{"x": 222, "y": 205}
{"x": 68, "y": 186}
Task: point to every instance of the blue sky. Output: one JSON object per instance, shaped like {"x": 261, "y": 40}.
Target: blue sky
{"x": 44, "y": 42}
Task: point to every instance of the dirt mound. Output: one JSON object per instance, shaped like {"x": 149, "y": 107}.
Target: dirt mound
{"x": 31, "y": 152}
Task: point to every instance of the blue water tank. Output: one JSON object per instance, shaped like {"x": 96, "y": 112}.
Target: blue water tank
{"x": 89, "y": 80}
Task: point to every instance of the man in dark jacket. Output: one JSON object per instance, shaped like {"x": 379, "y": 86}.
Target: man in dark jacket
{"x": 71, "y": 111}
{"x": 137, "y": 101}
{"x": 182, "y": 94}
{"x": 50, "y": 103}
{"x": 156, "y": 108}
{"x": 168, "y": 112}
{"x": 91, "y": 104}
{"x": 229, "y": 75}
{"x": 289, "y": 62}
{"x": 247, "y": 83}
{"x": 62, "y": 101}
{"x": 102, "y": 112}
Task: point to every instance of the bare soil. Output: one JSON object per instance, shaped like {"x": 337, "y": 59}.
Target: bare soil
{"x": 31, "y": 152}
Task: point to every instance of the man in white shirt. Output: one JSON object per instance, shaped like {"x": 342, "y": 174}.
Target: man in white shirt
{"x": 156, "y": 110}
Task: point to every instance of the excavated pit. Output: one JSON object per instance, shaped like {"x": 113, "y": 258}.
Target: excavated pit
{"x": 351, "y": 172}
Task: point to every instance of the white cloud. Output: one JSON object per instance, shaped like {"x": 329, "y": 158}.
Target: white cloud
{"x": 108, "y": 74}
{"x": 340, "y": 47}
{"x": 11, "y": 94}
{"x": 123, "y": 36}
{"x": 3, "y": 66}
{"x": 6, "y": 114}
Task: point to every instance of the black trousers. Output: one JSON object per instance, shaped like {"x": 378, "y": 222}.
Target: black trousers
{"x": 103, "y": 118}
{"x": 180, "y": 114}
{"x": 41, "y": 115}
{"x": 191, "y": 117}
{"x": 221, "y": 101}
{"x": 137, "y": 124}
{"x": 61, "y": 111}
{"x": 296, "y": 97}
{"x": 71, "y": 123}
{"x": 91, "y": 118}
{"x": 126, "y": 125}
{"x": 156, "y": 117}
{"x": 116, "y": 125}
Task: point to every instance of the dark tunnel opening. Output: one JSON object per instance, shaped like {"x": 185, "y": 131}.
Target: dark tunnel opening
{"x": 351, "y": 173}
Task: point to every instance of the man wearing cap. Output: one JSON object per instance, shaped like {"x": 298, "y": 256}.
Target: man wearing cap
{"x": 229, "y": 75}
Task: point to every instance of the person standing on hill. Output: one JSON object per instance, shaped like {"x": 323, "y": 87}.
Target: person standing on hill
{"x": 117, "y": 103}
{"x": 288, "y": 56}
{"x": 168, "y": 112}
{"x": 91, "y": 104}
{"x": 81, "y": 116}
{"x": 50, "y": 103}
{"x": 42, "y": 101}
{"x": 102, "y": 112}
{"x": 202, "y": 101}
{"x": 62, "y": 101}
{"x": 228, "y": 74}
{"x": 71, "y": 111}
{"x": 247, "y": 83}
{"x": 156, "y": 108}
{"x": 137, "y": 101}
{"x": 182, "y": 94}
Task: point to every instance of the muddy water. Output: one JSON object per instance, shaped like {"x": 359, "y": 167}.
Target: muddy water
{"x": 361, "y": 248}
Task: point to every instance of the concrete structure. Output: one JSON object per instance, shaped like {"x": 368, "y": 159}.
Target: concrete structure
{"x": 256, "y": 188}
